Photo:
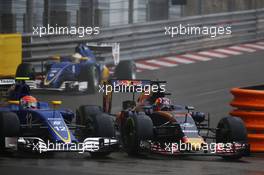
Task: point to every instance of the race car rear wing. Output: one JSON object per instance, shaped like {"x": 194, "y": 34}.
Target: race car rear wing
{"x": 129, "y": 86}
{"x": 101, "y": 48}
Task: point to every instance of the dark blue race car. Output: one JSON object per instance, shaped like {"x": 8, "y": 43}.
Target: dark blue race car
{"x": 29, "y": 125}
{"x": 82, "y": 71}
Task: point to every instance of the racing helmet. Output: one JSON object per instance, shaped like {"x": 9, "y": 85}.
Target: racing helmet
{"x": 76, "y": 57}
{"x": 162, "y": 103}
{"x": 28, "y": 102}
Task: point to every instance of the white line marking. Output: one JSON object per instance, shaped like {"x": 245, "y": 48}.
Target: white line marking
{"x": 231, "y": 52}
{"x": 159, "y": 62}
{"x": 261, "y": 43}
{"x": 212, "y": 54}
{"x": 196, "y": 57}
{"x": 255, "y": 46}
{"x": 179, "y": 60}
{"x": 211, "y": 92}
{"x": 144, "y": 66}
{"x": 240, "y": 48}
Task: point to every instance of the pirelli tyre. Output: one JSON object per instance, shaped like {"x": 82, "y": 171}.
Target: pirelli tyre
{"x": 230, "y": 130}
{"x": 126, "y": 70}
{"x": 90, "y": 74}
{"x": 97, "y": 124}
{"x": 9, "y": 127}
{"x": 25, "y": 70}
{"x": 137, "y": 128}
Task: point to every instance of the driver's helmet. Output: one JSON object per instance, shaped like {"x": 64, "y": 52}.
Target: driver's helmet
{"x": 28, "y": 102}
{"x": 162, "y": 103}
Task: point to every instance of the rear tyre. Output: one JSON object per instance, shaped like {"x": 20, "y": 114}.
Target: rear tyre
{"x": 9, "y": 127}
{"x": 25, "y": 70}
{"x": 231, "y": 129}
{"x": 136, "y": 128}
{"x": 91, "y": 75}
{"x": 126, "y": 70}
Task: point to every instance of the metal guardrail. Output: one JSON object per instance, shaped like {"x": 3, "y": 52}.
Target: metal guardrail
{"x": 146, "y": 40}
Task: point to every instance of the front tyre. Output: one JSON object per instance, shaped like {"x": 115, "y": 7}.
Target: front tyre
{"x": 230, "y": 130}
{"x": 136, "y": 128}
{"x": 9, "y": 127}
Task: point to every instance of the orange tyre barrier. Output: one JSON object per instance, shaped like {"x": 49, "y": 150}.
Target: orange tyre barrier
{"x": 249, "y": 104}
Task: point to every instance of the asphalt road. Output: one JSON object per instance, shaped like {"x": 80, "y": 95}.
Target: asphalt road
{"x": 204, "y": 85}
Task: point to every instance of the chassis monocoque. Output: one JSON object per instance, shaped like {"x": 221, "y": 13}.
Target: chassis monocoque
{"x": 47, "y": 129}
{"x": 82, "y": 72}
{"x": 175, "y": 130}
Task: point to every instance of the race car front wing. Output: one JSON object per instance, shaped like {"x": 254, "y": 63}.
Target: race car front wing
{"x": 170, "y": 149}
{"x": 79, "y": 86}
{"x": 35, "y": 144}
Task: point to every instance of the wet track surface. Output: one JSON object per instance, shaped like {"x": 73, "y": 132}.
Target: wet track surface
{"x": 204, "y": 85}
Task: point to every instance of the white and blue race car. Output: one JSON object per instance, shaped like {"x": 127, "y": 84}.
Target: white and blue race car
{"x": 82, "y": 71}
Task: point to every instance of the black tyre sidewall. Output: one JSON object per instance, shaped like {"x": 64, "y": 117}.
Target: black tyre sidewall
{"x": 235, "y": 130}
{"x": 232, "y": 129}
{"x": 25, "y": 70}
{"x": 90, "y": 73}
{"x": 9, "y": 127}
{"x": 125, "y": 69}
{"x": 141, "y": 128}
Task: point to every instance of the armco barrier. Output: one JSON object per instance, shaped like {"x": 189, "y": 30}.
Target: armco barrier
{"x": 249, "y": 104}
{"x": 145, "y": 40}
